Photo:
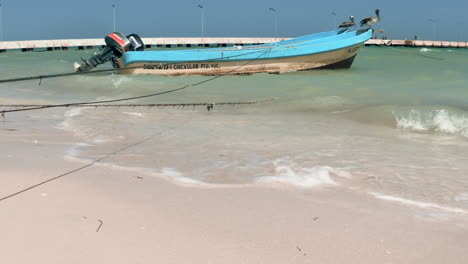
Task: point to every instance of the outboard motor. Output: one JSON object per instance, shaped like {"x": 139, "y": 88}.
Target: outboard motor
{"x": 116, "y": 45}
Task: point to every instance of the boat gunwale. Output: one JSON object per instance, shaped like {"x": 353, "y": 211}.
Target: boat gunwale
{"x": 273, "y": 44}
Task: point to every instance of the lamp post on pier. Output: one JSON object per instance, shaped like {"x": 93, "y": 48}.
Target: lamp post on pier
{"x": 333, "y": 14}
{"x": 113, "y": 13}
{"x": 1, "y": 20}
{"x": 202, "y": 20}
{"x": 434, "y": 27}
{"x": 276, "y": 21}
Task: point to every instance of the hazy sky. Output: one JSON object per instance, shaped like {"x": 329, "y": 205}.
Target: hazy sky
{"x": 66, "y": 19}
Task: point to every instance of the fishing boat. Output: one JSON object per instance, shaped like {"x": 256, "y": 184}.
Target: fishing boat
{"x": 327, "y": 50}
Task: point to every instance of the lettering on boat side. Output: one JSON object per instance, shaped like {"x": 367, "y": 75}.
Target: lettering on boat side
{"x": 353, "y": 49}
{"x": 188, "y": 66}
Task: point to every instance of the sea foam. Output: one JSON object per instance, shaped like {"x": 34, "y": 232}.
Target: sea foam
{"x": 291, "y": 173}
{"x": 73, "y": 152}
{"x": 170, "y": 174}
{"x": 428, "y": 50}
{"x": 117, "y": 80}
{"x": 72, "y": 112}
{"x": 134, "y": 114}
{"x": 69, "y": 114}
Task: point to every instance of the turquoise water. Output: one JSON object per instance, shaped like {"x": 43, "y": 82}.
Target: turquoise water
{"x": 394, "y": 126}
{"x": 379, "y": 76}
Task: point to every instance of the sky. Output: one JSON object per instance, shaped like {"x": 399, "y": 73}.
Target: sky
{"x": 77, "y": 19}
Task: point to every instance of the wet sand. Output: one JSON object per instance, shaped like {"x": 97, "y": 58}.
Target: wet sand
{"x": 103, "y": 215}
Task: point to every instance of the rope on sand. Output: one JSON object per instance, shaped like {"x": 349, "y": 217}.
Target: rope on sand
{"x": 76, "y": 170}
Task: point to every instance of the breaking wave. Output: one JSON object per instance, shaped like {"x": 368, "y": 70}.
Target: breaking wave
{"x": 443, "y": 121}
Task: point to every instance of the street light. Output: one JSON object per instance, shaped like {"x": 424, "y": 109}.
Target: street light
{"x": 276, "y": 21}
{"x": 113, "y": 12}
{"x": 434, "y": 29}
{"x": 333, "y": 14}
{"x": 202, "y": 20}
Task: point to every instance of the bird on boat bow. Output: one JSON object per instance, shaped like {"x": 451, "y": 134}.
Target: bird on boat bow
{"x": 369, "y": 21}
{"x": 348, "y": 24}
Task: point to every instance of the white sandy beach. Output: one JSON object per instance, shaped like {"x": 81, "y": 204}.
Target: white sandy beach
{"x": 151, "y": 220}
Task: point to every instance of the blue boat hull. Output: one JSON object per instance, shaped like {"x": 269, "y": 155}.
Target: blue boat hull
{"x": 327, "y": 50}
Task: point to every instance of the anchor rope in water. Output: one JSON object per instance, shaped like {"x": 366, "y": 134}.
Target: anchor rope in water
{"x": 147, "y": 105}
{"x": 135, "y": 97}
{"x": 414, "y": 53}
{"x": 387, "y": 44}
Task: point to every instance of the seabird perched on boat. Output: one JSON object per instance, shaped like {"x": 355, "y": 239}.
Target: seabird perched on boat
{"x": 371, "y": 20}
{"x": 348, "y": 24}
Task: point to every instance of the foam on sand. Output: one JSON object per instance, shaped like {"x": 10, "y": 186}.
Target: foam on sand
{"x": 73, "y": 112}
{"x": 462, "y": 197}
{"x": 418, "y": 204}
{"x": 167, "y": 173}
{"x": 291, "y": 173}
{"x": 70, "y": 114}
{"x": 74, "y": 150}
{"x": 138, "y": 114}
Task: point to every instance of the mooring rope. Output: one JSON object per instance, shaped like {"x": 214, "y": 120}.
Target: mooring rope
{"x": 414, "y": 53}
{"x": 40, "y": 77}
{"x": 387, "y": 44}
{"x": 135, "y": 97}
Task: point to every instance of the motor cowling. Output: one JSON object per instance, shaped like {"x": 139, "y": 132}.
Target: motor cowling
{"x": 116, "y": 45}
{"x": 137, "y": 43}
{"x": 118, "y": 42}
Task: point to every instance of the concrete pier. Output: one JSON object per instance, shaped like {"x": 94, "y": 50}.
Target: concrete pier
{"x": 417, "y": 43}
{"x": 65, "y": 44}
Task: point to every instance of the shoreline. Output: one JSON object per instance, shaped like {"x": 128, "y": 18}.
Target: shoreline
{"x": 103, "y": 215}
{"x": 186, "y": 182}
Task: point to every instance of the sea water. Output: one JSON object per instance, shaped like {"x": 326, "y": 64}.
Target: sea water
{"x": 394, "y": 126}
